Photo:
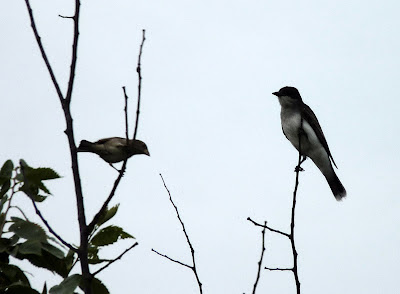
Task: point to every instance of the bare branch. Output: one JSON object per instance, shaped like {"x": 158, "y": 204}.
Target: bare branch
{"x": 269, "y": 228}
{"x": 20, "y": 210}
{"x": 96, "y": 218}
{"x": 193, "y": 268}
{"x": 123, "y": 168}
{"x": 139, "y": 71}
{"x": 126, "y": 116}
{"x": 43, "y": 52}
{"x": 279, "y": 269}
{"x": 63, "y": 16}
{"x": 51, "y": 230}
{"x": 171, "y": 259}
{"x": 115, "y": 259}
{"x": 261, "y": 258}
{"x": 74, "y": 56}
{"x": 292, "y": 223}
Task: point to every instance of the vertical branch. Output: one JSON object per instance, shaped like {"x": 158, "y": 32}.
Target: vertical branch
{"x": 261, "y": 258}
{"x": 126, "y": 116}
{"x": 291, "y": 235}
{"x": 74, "y": 57}
{"x": 123, "y": 168}
{"x": 139, "y": 72}
{"x": 65, "y": 103}
{"x": 43, "y": 52}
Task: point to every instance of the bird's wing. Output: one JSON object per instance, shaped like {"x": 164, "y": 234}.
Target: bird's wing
{"x": 102, "y": 141}
{"x": 115, "y": 141}
{"x": 311, "y": 118}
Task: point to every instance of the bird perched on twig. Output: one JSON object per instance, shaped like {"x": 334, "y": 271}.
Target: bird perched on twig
{"x": 298, "y": 120}
{"x": 114, "y": 149}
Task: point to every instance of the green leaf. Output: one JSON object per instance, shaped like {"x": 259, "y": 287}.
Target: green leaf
{"x": 69, "y": 260}
{"x": 33, "y": 177}
{"x": 109, "y": 214}
{"x": 5, "y": 177}
{"x": 39, "y": 198}
{"x": 6, "y": 171}
{"x": 97, "y": 260}
{"x": 98, "y": 287}
{"x": 45, "y": 173}
{"x": 67, "y": 286}
{"x": 48, "y": 261}
{"x": 93, "y": 252}
{"x": 53, "y": 250}
{"x": 19, "y": 289}
{"x": 109, "y": 235}
{"x": 2, "y": 219}
{"x": 30, "y": 247}
{"x": 27, "y": 230}
{"x": 4, "y": 188}
{"x": 2, "y": 201}
{"x": 11, "y": 274}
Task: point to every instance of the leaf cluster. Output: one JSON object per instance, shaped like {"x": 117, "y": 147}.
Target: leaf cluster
{"x": 23, "y": 239}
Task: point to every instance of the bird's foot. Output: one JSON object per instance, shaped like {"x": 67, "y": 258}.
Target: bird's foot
{"x": 116, "y": 169}
{"x": 298, "y": 169}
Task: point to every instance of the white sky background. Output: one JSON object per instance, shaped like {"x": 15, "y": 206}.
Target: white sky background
{"x": 213, "y": 130}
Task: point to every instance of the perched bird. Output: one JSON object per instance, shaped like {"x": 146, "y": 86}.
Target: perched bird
{"x": 299, "y": 120}
{"x": 114, "y": 149}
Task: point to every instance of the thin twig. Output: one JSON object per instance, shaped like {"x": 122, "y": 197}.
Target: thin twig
{"x": 51, "y": 230}
{"x": 63, "y": 16}
{"x": 115, "y": 259}
{"x": 139, "y": 72}
{"x": 126, "y": 116}
{"x": 20, "y": 210}
{"x": 96, "y": 218}
{"x": 43, "y": 52}
{"x": 74, "y": 57}
{"x": 269, "y": 228}
{"x": 279, "y": 269}
{"x": 292, "y": 223}
{"x": 261, "y": 258}
{"x": 171, "y": 259}
{"x": 193, "y": 268}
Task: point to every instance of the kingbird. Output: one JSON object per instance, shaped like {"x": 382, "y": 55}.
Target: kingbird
{"x": 298, "y": 120}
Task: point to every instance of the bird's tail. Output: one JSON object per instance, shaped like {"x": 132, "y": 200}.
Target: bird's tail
{"x": 85, "y": 146}
{"x": 336, "y": 186}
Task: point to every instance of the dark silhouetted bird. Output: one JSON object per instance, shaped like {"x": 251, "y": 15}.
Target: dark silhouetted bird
{"x": 114, "y": 149}
{"x": 297, "y": 118}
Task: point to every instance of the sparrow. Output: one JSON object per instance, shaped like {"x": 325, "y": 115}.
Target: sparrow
{"x": 298, "y": 120}
{"x": 114, "y": 149}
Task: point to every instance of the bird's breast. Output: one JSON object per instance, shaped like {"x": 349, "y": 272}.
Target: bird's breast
{"x": 291, "y": 125}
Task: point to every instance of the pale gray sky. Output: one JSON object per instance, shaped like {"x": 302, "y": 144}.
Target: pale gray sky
{"x": 213, "y": 130}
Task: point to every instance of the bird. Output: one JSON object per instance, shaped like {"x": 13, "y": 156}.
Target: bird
{"x": 114, "y": 149}
{"x": 298, "y": 120}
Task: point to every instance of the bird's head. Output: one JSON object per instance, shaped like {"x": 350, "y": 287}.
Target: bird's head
{"x": 139, "y": 147}
{"x": 288, "y": 96}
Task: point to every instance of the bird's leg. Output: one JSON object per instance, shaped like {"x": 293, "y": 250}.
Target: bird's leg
{"x": 301, "y": 133}
{"x": 115, "y": 168}
{"x": 298, "y": 168}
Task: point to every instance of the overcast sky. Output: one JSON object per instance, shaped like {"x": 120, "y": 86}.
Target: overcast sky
{"x": 213, "y": 130}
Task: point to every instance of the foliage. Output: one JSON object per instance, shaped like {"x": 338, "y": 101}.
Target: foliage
{"x": 23, "y": 239}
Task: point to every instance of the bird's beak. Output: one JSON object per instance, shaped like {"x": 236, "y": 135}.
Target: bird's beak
{"x": 276, "y": 94}
{"x": 146, "y": 152}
